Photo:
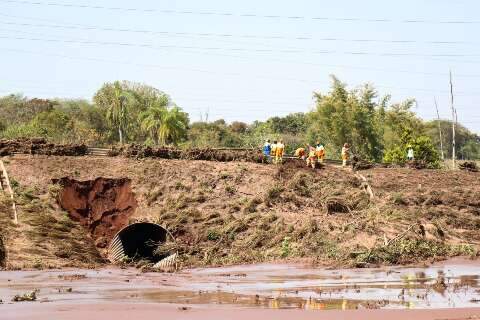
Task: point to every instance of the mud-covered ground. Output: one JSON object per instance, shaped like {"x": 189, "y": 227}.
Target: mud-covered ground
{"x": 448, "y": 290}
{"x": 224, "y": 213}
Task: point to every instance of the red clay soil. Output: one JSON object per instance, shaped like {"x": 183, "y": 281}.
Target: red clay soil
{"x": 103, "y": 205}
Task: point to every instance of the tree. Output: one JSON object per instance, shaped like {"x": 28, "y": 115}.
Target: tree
{"x": 347, "y": 117}
{"x": 116, "y": 101}
{"x": 164, "y": 125}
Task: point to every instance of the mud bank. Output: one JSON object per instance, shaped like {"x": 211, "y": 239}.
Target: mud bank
{"x": 444, "y": 291}
{"x": 103, "y": 206}
{"x": 40, "y": 146}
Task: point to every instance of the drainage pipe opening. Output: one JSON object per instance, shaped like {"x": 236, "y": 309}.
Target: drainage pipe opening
{"x": 138, "y": 241}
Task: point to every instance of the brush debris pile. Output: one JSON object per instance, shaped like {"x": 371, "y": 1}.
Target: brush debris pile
{"x": 40, "y": 146}
{"x": 139, "y": 151}
{"x": 469, "y": 166}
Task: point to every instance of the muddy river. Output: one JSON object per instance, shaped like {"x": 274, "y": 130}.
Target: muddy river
{"x": 70, "y": 294}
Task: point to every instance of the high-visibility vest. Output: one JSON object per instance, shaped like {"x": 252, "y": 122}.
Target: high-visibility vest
{"x": 320, "y": 151}
{"x": 279, "y": 149}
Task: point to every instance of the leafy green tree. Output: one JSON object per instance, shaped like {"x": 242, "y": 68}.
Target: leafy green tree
{"x": 467, "y": 143}
{"x": 423, "y": 150}
{"x": 117, "y": 102}
{"x": 165, "y": 125}
{"x": 347, "y": 117}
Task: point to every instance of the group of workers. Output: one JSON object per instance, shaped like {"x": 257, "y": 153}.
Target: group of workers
{"x": 312, "y": 154}
{"x": 274, "y": 150}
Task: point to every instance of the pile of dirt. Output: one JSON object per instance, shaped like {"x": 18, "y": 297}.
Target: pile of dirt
{"x": 40, "y": 146}
{"x": 103, "y": 206}
{"x": 469, "y": 166}
{"x": 140, "y": 151}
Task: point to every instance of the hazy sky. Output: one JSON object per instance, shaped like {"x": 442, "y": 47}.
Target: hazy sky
{"x": 245, "y": 60}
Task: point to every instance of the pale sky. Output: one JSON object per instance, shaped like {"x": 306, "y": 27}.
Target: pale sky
{"x": 245, "y": 60}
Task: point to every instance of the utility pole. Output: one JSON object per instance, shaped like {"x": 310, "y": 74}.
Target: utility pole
{"x": 454, "y": 116}
{"x": 439, "y": 129}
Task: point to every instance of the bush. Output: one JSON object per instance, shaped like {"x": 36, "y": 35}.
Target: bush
{"x": 423, "y": 150}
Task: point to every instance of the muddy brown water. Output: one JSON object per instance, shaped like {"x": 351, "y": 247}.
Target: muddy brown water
{"x": 455, "y": 284}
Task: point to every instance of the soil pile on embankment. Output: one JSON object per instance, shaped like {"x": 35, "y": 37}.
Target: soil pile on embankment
{"x": 140, "y": 151}
{"x": 103, "y": 206}
{"x": 241, "y": 212}
{"x": 40, "y": 146}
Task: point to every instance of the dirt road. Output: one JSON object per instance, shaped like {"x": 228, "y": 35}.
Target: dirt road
{"x": 443, "y": 291}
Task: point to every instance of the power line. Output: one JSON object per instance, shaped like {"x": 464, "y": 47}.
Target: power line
{"x": 230, "y": 35}
{"x": 288, "y": 51}
{"x": 208, "y": 13}
{"x": 235, "y": 74}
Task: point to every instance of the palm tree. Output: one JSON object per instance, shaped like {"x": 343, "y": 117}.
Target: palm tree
{"x": 164, "y": 125}
{"x": 116, "y": 102}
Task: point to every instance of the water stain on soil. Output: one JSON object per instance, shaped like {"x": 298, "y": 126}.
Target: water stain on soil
{"x": 103, "y": 205}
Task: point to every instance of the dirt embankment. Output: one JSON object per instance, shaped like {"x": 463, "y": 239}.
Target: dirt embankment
{"x": 240, "y": 212}
{"x": 103, "y": 206}
{"x": 40, "y": 146}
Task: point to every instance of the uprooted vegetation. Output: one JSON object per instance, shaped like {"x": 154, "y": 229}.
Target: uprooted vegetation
{"x": 40, "y": 146}
{"x": 237, "y": 212}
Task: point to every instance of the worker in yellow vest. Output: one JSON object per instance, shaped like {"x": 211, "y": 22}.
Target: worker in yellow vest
{"x": 311, "y": 158}
{"x": 273, "y": 149}
{"x": 279, "y": 152}
{"x": 320, "y": 152}
{"x": 345, "y": 154}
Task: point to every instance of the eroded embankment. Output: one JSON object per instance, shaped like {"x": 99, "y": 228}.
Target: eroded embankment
{"x": 103, "y": 206}
{"x": 238, "y": 212}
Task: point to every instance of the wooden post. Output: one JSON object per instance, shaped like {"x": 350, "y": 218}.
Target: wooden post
{"x": 454, "y": 112}
{"x": 9, "y": 189}
{"x": 439, "y": 129}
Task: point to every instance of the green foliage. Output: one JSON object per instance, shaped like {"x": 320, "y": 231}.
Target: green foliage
{"x": 133, "y": 112}
{"x": 347, "y": 117}
{"x": 423, "y": 150}
{"x": 163, "y": 124}
{"x": 286, "y": 247}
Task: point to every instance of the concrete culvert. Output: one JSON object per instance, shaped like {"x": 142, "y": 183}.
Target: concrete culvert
{"x": 139, "y": 241}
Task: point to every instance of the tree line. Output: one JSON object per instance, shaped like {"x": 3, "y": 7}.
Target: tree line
{"x": 129, "y": 112}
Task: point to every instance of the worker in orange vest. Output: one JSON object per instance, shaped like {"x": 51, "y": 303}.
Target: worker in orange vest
{"x": 320, "y": 152}
{"x": 279, "y": 152}
{"x": 345, "y": 154}
{"x": 300, "y": 153}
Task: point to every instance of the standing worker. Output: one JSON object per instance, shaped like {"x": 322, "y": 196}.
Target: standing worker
{"x": 279, "y": 152}
{"x": 311, "y": 158}
{"x": 345, "y": 154}
{"x": 267, "y": 149}
{"x": 320, "y": 151}
{"x": 410, "y": 153}
{"x": 273, "y": 148}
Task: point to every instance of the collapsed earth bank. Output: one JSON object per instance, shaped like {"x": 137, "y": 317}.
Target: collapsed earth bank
{"x": 239, "y": 212}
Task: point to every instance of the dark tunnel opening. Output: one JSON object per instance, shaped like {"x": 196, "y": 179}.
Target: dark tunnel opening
{"x": 138, "y": 241}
